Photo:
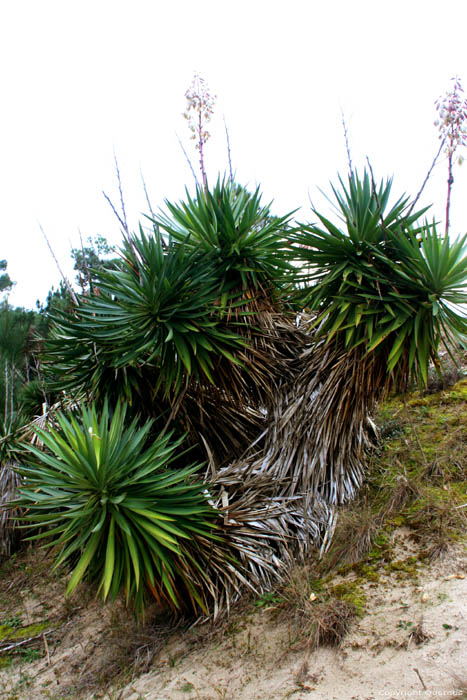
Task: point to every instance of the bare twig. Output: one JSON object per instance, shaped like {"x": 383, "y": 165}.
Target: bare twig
{"x": 346, "y": 137}
{"x": 420, "y": 678}
{"x": 427, "y": 177}
{"x": 228, "y": 151}
{"x": 188, "y": 160}
{"x": 146, "y": 194}
{"x": 39, "y": 377}
{"x": 153, "y": 216}
{"x": 174, "y": 410}
{"x": 122, "y": 201}
{"x": 6, "y": 390}
{"x": 122, "y": 224}
{"x": 122, "y": 219}
{"x": 67, "y": 284}
{"x": 448, "y": 196}
{"x": 46, "y": 647}
{"x": 15, "y": 645}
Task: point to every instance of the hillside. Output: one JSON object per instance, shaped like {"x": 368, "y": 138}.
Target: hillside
{"x": 381, "y": 616}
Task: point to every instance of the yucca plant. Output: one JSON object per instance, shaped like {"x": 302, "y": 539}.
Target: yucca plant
{"x": 199, "y": 317}
{"x": 160, "y": 313}
{"x": 105, "y": 492}
{"x": 382, "y": 281}
{"x": 252, "y": 261}
{"x": 382, "y": 291}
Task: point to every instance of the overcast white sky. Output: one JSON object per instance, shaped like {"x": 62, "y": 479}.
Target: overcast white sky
{"x": 81, "y": 79}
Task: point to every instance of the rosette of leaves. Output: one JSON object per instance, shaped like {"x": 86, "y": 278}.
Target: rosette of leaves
{"x": 382, "y": 281}
{"x": 106, "y": 494}
{"x": 251, "y": 255}
{"x": 158, "y": 319}
{"x": 247, "y": 244}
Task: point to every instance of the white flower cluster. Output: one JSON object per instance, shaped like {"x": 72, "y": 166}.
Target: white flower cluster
{"x": 200, "y": 107}
{"x": 452, "y": 121}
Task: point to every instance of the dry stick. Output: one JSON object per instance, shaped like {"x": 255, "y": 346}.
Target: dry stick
{"x": 427, "y": 177}
{"x": 14, "y": 645}
{"x": 373, "y": 183}
{"x": 164, "y": 244}
{"x": 122, "y": 223}
{"x": 122, "y": 219}
{"x": 346, "y": 137}
{"x": 174, "y": 410}
{"x": 114, "y": 210}
{"x": 67, "y": 284}
{"x": 46, "y": 647}
{"x": 228, "y": 151}
{"x": 146, "y": 194}
{"x": 122, "y": 202}
{"x": 420, "y": 678}
{"x": 12, "y": 381}
{"x": 188, "y": 160}
{"x": 38, "y": 372}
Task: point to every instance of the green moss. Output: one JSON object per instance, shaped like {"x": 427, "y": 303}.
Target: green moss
{"x": 352, "y": 593}
{"x": 419, "y": 401}
{"x": 18, "y": 633}
{"x": 408, "y": 566}
{"x": 370, "y": 573}
{"x": 318, "y": 585}
{"x": 438, "y": 497}
{"x": 382, "y": 546}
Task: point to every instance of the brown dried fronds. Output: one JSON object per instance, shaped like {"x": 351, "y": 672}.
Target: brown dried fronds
{"x": 10, "y": 534}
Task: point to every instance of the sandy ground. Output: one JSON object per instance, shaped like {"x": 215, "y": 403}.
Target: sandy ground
{"x": 411, "y": 642}
{"x": 377, "y": 660}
